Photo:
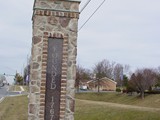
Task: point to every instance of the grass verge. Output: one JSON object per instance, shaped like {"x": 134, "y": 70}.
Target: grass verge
{"x": 26, "y": 88}
{"x": 14, "y": 88}
{"x": 17, "y": 88}
{"x": 14, "y": 108}
{"x": 149, "y": 101}
{"x": 102, "y": 112}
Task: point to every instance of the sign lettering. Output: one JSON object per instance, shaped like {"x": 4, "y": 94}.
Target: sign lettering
{"x": 53, "y": 79}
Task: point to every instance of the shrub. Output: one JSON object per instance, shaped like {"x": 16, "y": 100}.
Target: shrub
{"x": 152, "y": 92}
{"x": 118, "y": 90}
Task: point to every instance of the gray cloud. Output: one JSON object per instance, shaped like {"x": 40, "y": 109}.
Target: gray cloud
{"x": 16, "y": 34}
{"x": 124, "y": 31}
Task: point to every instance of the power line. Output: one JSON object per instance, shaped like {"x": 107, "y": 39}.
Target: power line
{"x": 91, "y": 15}
{"x": 85, "y": 6}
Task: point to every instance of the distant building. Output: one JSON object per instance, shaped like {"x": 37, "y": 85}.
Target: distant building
{"x": 105, "y": 84}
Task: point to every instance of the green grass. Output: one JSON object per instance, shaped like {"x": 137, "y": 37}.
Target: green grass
{"x": 14, "y": 88}
{"x": 14, "y": 108}
{"x": 17, "y": 88}
{"x": 149, "y": 101}
{"x": 26, "y": 88}
{"x": 91, "y": 111}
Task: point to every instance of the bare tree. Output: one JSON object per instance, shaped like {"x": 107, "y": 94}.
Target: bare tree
{"x": 102, "y": 69}
{"x": 79, "y": 71}
{"x": 118, "y": 74}
{"x": 158, "y": 77}
{"x": 142, "y": 80}
{"x": 81, "y": 74}
{"x": 126, "y": 69}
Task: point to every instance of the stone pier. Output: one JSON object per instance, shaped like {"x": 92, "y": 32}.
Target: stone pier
{"x": 53, "y": 66}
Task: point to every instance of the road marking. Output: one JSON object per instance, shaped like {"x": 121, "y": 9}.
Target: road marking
{"x": 16, "y": 95}
{"x": 22, "y": 89}
{"x": 1, "y": 100}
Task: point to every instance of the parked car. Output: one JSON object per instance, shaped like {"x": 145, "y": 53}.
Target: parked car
{"x": 83, "y": 87}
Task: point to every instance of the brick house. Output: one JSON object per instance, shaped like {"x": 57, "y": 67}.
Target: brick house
{"x": 105, "y": 84}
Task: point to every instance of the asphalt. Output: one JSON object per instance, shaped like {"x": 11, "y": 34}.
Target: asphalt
{"x": 4, "y": 92}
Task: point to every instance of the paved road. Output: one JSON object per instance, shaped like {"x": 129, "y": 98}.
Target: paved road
{"x": 4, "y": 92}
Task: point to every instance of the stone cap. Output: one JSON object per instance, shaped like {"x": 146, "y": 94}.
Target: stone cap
{"x": 65, "y": 0}
{"x": 35, "y": 5}
{"x": 70, "y": 6}
{"x": 74, "y": 0}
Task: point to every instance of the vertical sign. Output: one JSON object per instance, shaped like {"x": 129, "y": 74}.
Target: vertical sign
{"x": 53, "y": 79}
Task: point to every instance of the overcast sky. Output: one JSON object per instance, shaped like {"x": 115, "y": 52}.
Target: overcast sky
{"x": 123, "y": 31}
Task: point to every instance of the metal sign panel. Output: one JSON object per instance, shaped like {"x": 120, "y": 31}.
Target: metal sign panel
{"x": 53, "y": 79}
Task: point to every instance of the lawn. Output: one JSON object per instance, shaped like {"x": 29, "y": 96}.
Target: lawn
{"x": 102, "y": 112}
{"x": 26, "y": 88}
{"x": 15, "y": 108}
{"x": 17, "y": 88}
{"x": 149, "y": 101}
{"x": 14, "y": 88}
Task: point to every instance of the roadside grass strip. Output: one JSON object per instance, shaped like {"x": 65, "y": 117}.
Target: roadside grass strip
{"x": 14, "y": 108}
{"x": 14, "y": 88}
{"x": 17, "y": 88}
{"x": 26, "y": 88}
{"x": 152, "y": 101}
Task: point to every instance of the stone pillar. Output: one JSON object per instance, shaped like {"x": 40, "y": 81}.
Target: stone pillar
{"x": 55, "y": 25}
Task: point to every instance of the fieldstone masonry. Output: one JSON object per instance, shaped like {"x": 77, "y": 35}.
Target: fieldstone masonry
{"x": 53, "y": 19}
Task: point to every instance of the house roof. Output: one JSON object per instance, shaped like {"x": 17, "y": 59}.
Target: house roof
{"x": 105, "y": 78}
{"x": 91, "y": 81}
